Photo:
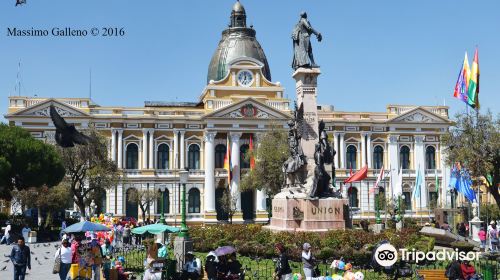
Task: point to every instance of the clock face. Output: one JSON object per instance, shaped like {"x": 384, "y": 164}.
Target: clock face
{"x": 245, "y": 78}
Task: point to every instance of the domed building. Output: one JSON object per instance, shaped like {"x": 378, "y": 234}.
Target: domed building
{"x": 152, "y": 143}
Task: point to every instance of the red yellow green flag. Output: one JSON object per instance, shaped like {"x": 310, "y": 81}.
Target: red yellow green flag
{"x": 473, "y": 90}
{"x": 252, "y": 159}
{"x": 227, "y": 161}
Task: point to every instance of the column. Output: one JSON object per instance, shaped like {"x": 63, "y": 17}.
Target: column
{"x": 151, "y": 148}
{"x": 235, "y": 162}
{"x": 394, "y": 165}
{"x": 113, "y": 144}
{"x": 342, "y": 150}
{"x": 183, "y": 145}
{"x": 369, "y": 154}
{"x": 420, "y": 165}
{"x": 144, "y": 148}
{"x": 120, "y": 200}
{"x": 260, "y": 195}
{"x": 120, "y": 148}
{"x": 209, "y": 190}
{"x": 363, "y": 149}
{"x": 445, "y": 174}
{"x": 176, "y": 145}
{"x": 336, "y": 148}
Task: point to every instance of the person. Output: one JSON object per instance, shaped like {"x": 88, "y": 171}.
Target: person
{"x": 468, "y": 271}
{"x": 107, "y": 252}
{"x": 162, "y": 249}
{"x": 20, "y": 257}
{"x": 75, "y": 246}
{"x": 461, "y": 229}
{"x": 211, "y": 265}
{"x": 6, "y": 234}
{"x": 493, "y": 235}
{"x": 222, "y": 267}
{"x": 64, "y": 252}
{"x": 25, "y": 231}
{"x": 126, "y": 234}
{"x": 122, "y": 275}
{"x": 453, "y": 270}
{"x": 234, "y": 266}
{"x": 192, "y": 267}
{"x": 307, "y": 261}
{"x": 482, "y": 237}
{"x": 96, "y": 257}
{"x": 282, "y": 270}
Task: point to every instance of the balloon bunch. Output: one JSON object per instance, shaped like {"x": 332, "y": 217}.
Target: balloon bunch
{"x": 346, "y": 269}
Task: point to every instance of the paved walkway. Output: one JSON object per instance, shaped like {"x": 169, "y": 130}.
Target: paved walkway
{"x": 42, "y": 262}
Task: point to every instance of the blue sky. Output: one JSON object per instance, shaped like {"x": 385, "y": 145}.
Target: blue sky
{"x": 373, "y": 53}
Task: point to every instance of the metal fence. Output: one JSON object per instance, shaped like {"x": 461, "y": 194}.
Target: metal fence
{"x": 259, "y": 268}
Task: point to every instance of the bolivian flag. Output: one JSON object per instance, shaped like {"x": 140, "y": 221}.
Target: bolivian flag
{"x": 252, "y": 159}
{"x": 473, "y": 90}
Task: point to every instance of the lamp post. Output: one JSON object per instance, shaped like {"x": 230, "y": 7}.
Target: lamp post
{"x": 183, "y": 176}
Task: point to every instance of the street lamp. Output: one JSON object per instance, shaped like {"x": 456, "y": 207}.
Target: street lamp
{"x": 183, "y": 178}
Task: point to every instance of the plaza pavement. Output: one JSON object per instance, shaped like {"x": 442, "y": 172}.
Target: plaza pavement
{"x": 41, "y": 268}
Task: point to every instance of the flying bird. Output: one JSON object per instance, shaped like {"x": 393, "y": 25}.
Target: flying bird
{"x": 20, "y": 2}
{"x": 66, "y": 134}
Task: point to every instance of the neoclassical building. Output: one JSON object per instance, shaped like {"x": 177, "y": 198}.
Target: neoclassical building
{"x": 151, "y": 143}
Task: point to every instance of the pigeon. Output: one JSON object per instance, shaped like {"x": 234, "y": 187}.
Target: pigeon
{"x": 46, "y": 245}
{"x": 4, "y": 268}
{"x": 36, "y": 259}
{"x": 47, "y": 252}
{"x": 7, "y": 260}
{"x": 37, "y": 245}
{"x": 32, "y": 252}
{"x": 39, "y": 262}
{"x": 66, "y": 134}
{"x": 45, "y": 257}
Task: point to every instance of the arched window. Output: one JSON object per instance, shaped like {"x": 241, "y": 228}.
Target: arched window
{"x": 244, "y": 163}
{"x": 353, "y": 197}
{"x": 166, "y": 202}
{"x": 430, "y": 158}
{"x": 194, "y": 201}
{"x": 194, "y": 156}
{"x": 220, "y": 154}
{"x": 351, "y": 157}
{"x": 132, "y": 156}
{"x": 163, "y": 156}
{"x": 378, "y": 157}
{"x": 404, "y": 157}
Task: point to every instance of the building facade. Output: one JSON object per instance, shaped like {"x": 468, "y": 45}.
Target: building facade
{"x": 150, "y": 144}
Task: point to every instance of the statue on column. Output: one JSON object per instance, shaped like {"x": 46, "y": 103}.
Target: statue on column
{"x": 302, "y": 50}
{"x": 293, "y": 165}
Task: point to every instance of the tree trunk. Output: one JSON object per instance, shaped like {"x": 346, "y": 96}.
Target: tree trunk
{"x": 81, "y": 207}
{"x": 493, "y": 189}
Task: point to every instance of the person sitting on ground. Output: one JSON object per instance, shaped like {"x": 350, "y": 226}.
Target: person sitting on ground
{"x": 222, "y": 267}
{"x": 192, "y": 267}
{"x": 468, "y": 271}
{"x": 211, "y": 266}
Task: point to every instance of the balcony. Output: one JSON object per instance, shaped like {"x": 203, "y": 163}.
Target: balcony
{"x": 196, "y": 173}
{"x": 432, "y": 172}
{"x": 131, "y": 172}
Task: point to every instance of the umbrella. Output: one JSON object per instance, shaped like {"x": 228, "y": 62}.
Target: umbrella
{"x": 225, "y": 250}
{"x": 85, "y": 226}
{"x": 155, "y": 229}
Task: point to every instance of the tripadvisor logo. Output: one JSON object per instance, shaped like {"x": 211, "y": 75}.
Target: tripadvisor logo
{"x": 387, "y": 255}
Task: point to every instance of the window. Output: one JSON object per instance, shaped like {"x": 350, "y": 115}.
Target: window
{"x": 220, "y": 154}
{"x": 353, "y": 197}
{"x": 244, "y": 163}
{"x": 132, "y": 156}
{"x": 430, "y": 158}
{"x": 163, "y": 156}
{"x": 166, "y": 202}
{"x": 407, "y": 201}
{"x": 194, "y": 156}
{"x": 194, "y": 201}
{"x": 378, "y": 157}
{"x": 404, "y": 157}
{"x": 351, "y": 157}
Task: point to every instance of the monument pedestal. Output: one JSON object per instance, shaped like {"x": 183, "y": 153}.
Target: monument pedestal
{"x": 475, "y": 226}
{"x": 182, "y": 245}
{"x": 299, "y": 214}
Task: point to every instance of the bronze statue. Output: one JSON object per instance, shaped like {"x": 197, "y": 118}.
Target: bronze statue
{"x": 297, "y": 159}
{"x": 302, "y": 50}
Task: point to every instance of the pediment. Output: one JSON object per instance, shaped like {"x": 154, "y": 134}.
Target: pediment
{"x": 248, "y": 108}
{"x": 419, "y": 115}
{"x": 42, "y": 109}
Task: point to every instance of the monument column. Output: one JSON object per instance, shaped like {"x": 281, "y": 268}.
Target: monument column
{"x": 120, "y": 148}
{"x": 235, "y": 164}
{"x": 209, "y": 190}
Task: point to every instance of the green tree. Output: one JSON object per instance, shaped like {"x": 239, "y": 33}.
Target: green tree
{"x": 228, "y": 204}
{"x": 26, "y": 162}
{"x": 144, "y": 198}
{"x": 88, "y": 170}
{"x": 270, "y": 155}
{"x": 474, "y": 141}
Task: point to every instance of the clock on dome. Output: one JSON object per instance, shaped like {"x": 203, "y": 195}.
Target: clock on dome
{"x": 245, "y": 78}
